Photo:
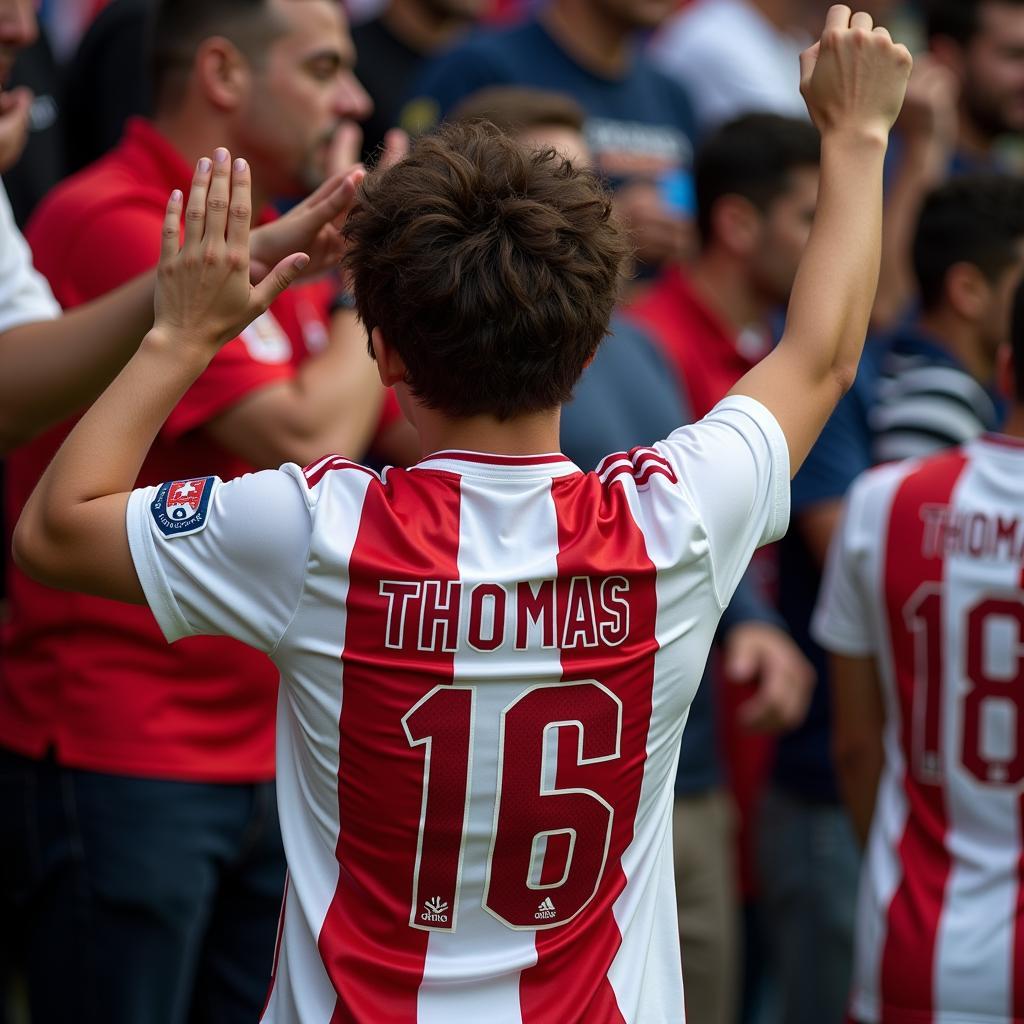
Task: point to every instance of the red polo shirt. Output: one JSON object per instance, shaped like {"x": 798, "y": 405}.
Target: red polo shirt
{"x": 710, "y": 359}
{"x": 702, "y": 346}
{"x": 92, "y": 678}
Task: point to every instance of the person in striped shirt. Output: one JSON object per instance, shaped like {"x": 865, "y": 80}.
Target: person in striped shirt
{"x": 936, "y": 379}
{"x": 486, "y": 659}
{"x": 923, "y": 611}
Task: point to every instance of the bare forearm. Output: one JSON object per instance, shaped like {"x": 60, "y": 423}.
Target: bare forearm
{"x": 859, "y": 773}
{"x": 835, "y": 287}
{"x": 53, "y": 368}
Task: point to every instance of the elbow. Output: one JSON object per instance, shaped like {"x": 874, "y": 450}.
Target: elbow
{"x": 36, "y": 550}
{"x": 844, "y": 375}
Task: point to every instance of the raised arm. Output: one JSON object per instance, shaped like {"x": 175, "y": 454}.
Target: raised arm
{"x": 72, "y": 531}
{"x": 853, "y": 81}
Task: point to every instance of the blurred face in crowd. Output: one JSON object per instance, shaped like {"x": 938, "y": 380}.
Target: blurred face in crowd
{"x": 302, "y": 90}
{"x": 992, "y": 69}
{"x": 18, "y": 29}
{"x": 637, "y": 14}
{"x": 997, "y": 312}
{"x": 784, "y": 230}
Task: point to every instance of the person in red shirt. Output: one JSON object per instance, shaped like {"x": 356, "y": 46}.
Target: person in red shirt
{"x": 756, "y": 182}
{"x": 147, "y": 770}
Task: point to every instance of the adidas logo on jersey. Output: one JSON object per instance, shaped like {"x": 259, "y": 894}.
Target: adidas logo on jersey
{"x": 546, "y": 910}
{"x": 434, "y": 911}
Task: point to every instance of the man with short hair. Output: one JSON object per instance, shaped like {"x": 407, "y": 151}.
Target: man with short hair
{"x": 982, "y": 43}
{"x": 938, "y": 372}
{"x": 757, "y": 190}
{"x": 923, "y": 613}
{"x": 486, "y": 659}
{"x": 639, "y": 126}
{"x": 158, "y": 762}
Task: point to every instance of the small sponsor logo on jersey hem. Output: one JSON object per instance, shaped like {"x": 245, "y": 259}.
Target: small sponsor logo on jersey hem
{"x": 434, "y": 911}
{"x": 546, "y": 910}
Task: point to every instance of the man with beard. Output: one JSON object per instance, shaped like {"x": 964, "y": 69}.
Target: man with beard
{"x": 639, "y": 123}
{"x": 139, "y": 808}
{"x": 982, "y": 42}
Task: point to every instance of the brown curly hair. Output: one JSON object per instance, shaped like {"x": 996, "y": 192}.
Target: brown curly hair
{"x": 491, "y": 268}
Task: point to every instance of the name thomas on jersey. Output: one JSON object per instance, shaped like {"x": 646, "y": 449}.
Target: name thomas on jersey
{"x": 451, "y": 615}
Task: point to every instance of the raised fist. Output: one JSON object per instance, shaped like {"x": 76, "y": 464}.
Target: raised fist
{"x": 855, "y": 77}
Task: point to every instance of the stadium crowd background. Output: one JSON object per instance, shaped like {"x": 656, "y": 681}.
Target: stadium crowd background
{"x": 693, "y": 114}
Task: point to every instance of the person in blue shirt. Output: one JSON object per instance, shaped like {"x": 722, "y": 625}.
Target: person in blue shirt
{"x": 639, "y": 122}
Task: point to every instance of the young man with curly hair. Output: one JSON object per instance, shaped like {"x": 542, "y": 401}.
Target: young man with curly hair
{"x": 486, "y": 659}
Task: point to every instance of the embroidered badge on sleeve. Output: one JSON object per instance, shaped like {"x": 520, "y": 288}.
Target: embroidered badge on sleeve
{"x": 182, "y": 507}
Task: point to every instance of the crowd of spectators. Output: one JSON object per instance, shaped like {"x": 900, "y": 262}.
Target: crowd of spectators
{"x": 141, "y": 866}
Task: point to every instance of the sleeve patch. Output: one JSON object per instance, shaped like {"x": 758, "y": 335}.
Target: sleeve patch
{"x": 181, "y": 507}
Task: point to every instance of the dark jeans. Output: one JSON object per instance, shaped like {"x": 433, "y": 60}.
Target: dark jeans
{"x": 137, "y": 901}
{"x": 809, "y": 864}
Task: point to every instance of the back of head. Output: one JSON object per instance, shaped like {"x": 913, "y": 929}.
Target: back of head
{"x": 753, "y": 157}
{"x": 178, "y": 27}
{"x": 492, "y": 269}
{"x": 977, "y": 220}
{"x": 514, "y": 109}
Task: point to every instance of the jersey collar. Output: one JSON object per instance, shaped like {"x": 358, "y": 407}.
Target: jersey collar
{"x": 549, "y": 464}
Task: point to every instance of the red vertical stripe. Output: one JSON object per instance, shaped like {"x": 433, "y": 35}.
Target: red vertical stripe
{"x": 569, "y": 981}
{"x": 409, "y": 531}
{"x": 908, "y": 958}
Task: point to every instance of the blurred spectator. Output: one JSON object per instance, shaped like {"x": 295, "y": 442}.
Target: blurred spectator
{"x": 964, "y": 113}
{"x": 639, "y": 122}
{"x": 935, "y": 389}
{"x": 393, "y": 48}
{"x": 630, "y": 396}
{"x": 982, "y": 43}
{"x": 736, "y": 57}
{"x": 106, "y": 81}
{"x": 139, "y": 775}
{"x": 757, "y": 183}
{"x": 41, "y": 164}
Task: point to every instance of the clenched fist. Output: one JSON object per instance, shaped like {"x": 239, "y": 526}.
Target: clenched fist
{"x": 855, "y": 77}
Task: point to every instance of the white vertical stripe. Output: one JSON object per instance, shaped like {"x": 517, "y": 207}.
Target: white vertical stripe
{"x": 482, "y": 954}
{"x": 881, "y": 870}
{"x": 308, "y": 753}
{"x": 646, "y": 974}
{"x": 974, "y": 954}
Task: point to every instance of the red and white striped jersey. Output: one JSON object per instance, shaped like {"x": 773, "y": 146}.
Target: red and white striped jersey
{"x": 925, "y": 575}
{"x": 486, "y": 665}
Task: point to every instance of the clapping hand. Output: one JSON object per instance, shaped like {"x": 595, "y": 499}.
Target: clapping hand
{"x": 204, "y": 296}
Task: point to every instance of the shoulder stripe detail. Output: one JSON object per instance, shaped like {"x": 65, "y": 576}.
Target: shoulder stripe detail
{"x": 640, "y": 463}
{"x": 316, "y": 471}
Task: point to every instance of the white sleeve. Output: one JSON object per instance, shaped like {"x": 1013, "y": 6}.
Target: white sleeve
{"x": 734, "y": 467}
{"x": 841, "y": 622}
{"x": 223, "y": 559}
{"x": 25, "y": 295}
